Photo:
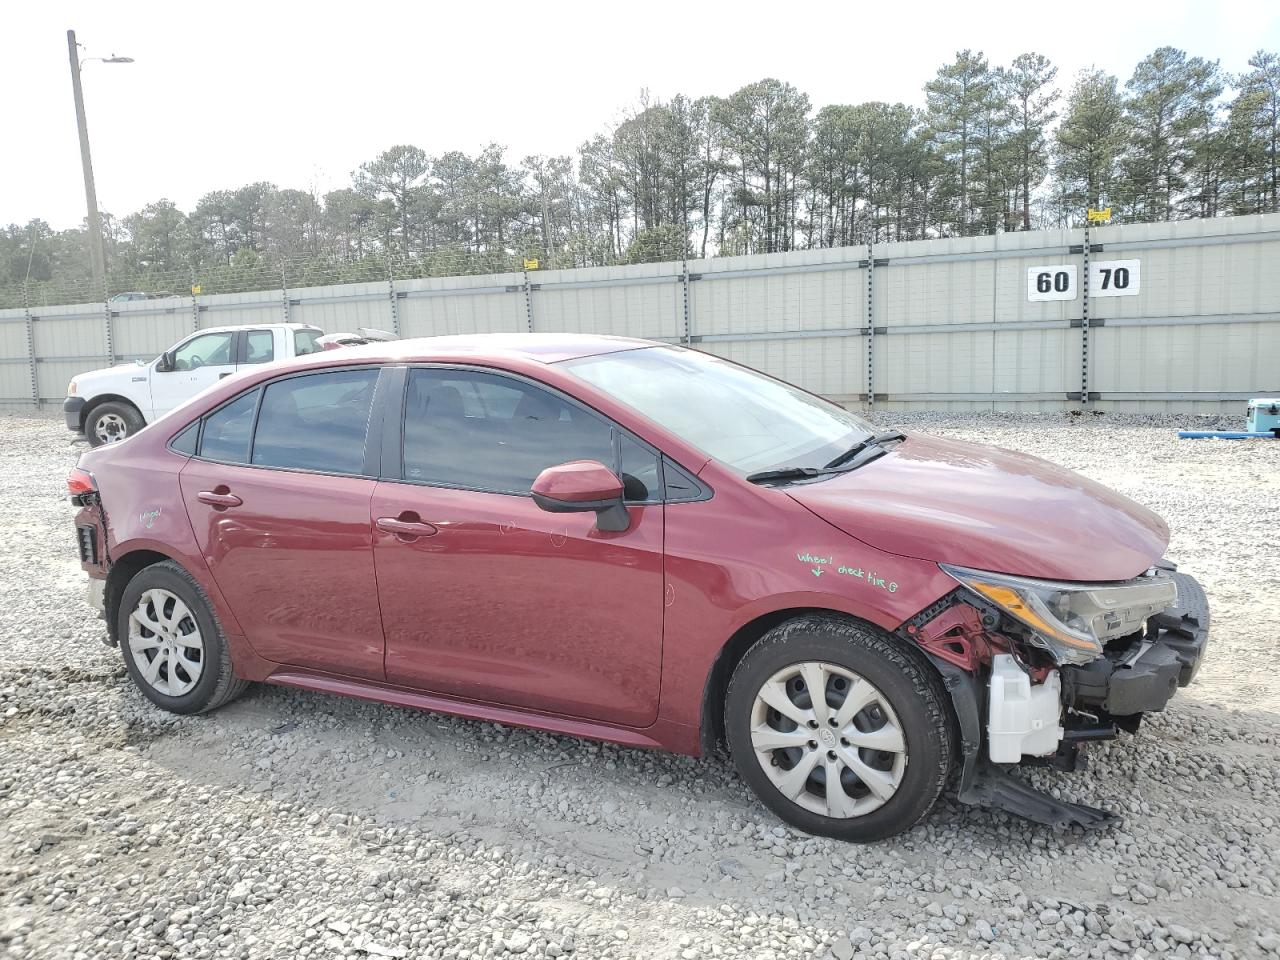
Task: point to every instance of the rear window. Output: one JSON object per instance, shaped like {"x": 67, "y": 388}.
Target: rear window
{"x": 306, "y": 341}
{"x": 228, "y": 429}
{"x": 185, "y": 442}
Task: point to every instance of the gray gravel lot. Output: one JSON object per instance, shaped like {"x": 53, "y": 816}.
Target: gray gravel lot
{"x": 293, "y": 824}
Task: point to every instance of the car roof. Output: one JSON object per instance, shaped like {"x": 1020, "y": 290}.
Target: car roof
{"x": 539, "y": 347}
{"x": 228, "y": 328}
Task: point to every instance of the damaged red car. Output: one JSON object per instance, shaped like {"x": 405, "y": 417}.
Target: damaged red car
{"x": 644, "y": 544}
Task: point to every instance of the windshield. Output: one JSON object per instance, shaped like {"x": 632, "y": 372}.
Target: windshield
{"x": 742, "y": 418}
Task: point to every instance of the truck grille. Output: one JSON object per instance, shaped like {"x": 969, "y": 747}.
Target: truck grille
{"x": 87, "y": 540}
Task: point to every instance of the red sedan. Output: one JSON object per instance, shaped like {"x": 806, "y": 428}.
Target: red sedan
{"x": 645, "y": 544}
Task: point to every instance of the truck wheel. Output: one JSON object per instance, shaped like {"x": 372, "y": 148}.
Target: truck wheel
{"x": 111, "y": 422}
{"x": 839, "y": 730}
{"x": 173, "y": 646}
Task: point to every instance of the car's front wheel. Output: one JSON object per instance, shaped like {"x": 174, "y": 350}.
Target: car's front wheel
{"x": 173, "y": 646}
{"x": 838, "y": 729}
{"x": 111, "y": 422}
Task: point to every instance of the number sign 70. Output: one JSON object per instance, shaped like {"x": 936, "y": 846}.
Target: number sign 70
{"x": 1115, "y": 278}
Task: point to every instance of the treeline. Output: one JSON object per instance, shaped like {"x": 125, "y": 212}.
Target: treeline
{"x": 994, "y": 148}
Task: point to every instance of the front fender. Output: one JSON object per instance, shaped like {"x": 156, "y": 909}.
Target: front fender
{"x": 130, "y": 383}
{"x": 720, "y": 608}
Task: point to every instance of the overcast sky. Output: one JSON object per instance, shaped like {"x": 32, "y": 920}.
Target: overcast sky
{"x": 226, "y": 93}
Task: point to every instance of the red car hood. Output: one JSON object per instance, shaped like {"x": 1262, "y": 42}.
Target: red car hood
{"x": 993, "y": 509}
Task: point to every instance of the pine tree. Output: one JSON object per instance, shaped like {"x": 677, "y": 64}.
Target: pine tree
{"x": 1029, "y": 95}
{"x": 960, "y": 99}
{"x": 397, "y": 176}
{"x": 1255, "y": 122}
{"x": 765, "y": 128}
{"x": 1171, "y": 97}
{"x": 1088, "y": 143}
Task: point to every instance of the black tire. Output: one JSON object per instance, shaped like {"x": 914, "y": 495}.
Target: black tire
{"x": 217, "y": 684}
{"x": 122, "y": 418}
{"x": 910, "y": 684}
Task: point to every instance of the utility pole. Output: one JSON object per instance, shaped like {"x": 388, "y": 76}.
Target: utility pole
{"x": 96, "y": 256}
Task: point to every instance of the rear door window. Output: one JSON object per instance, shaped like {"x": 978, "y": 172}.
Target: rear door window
{"x": 259, "y": 346}
{"x": 318, "y": 422}
{"x": 306, "y": 341}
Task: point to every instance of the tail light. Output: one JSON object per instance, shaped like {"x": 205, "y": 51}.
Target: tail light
{"x": 81, "y": 485}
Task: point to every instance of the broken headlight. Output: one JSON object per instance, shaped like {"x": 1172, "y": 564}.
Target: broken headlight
{"x": 1072, "y": 621}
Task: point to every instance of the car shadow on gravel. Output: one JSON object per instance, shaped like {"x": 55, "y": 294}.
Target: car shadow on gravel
{"x": 1196, "y": 787}
{"x": 656, "y": 822}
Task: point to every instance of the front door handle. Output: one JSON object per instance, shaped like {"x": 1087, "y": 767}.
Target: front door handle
{"x": 227, "y": 374}
{"x": 406, "y": 529}
{"x": 219, "y": 498}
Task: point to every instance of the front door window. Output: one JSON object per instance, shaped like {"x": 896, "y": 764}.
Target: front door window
{"x": 212, "y": 349}
{"x": 197, "y": 364}
{"x": 482, "y": 431}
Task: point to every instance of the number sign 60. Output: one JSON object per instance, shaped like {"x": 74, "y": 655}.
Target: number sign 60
{"x": 1051, "y": 283}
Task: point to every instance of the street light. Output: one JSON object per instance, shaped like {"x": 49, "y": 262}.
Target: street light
{"x": 97, "y": 258}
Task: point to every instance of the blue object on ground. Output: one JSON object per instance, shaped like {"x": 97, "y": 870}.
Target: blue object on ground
{"x": 1224, "y": 435}
{"x": 1264, "y": 414}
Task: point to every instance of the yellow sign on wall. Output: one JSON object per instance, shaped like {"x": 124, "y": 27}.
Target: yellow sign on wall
{"x": 1099, "y": 216}
{"x": 531, "y": 264}
{"x": 195, "y": 289}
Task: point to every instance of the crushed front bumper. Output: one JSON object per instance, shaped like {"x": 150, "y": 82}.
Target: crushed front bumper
{"x": 1141, "y": 675}
{"x": 1137, "y": 677}
{"x": 71, "y": 408}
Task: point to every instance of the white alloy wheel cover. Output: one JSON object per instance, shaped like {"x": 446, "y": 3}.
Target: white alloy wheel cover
{"x": 849, "y": 736}
{"x": 166, "y": 643}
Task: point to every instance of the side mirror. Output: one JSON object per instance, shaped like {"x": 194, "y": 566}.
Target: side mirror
{"x": 166, "y": 363}
{"x": 580, "y": 486}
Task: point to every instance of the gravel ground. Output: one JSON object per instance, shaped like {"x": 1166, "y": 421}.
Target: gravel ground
{"x": 293, "y": 824}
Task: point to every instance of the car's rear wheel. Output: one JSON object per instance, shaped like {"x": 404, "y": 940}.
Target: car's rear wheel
{"x": 865, "y": 758}
{"x": 173, "y": 646}
{"x": 111, "y": 422}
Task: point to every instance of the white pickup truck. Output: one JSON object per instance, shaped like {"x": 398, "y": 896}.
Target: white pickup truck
{"x": 110, "y": 404}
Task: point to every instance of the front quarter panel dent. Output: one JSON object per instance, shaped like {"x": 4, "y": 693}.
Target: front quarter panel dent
{"x": 784, "y": 559}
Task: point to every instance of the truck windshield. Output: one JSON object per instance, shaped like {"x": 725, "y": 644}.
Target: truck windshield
{"x": 744, "y": 419}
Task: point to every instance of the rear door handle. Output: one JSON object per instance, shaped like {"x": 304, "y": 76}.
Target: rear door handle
{"x": 216, "y": 499}
{"x": 227, "y": 374}
{"x": 406, "y": 529}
